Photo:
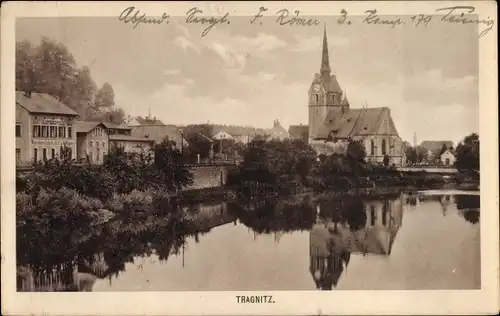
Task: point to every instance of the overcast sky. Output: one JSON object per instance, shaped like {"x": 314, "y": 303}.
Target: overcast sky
{"x": 251, "y": 75}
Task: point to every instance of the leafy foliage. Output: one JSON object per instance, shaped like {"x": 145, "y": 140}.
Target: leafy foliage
{"x": 51, "y": 68}
{"x": 467, "y": 153}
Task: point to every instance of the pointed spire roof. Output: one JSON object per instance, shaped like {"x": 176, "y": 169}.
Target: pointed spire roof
{"x": 325, "y": 58}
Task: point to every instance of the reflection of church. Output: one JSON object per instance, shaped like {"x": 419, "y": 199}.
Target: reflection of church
{"x": 333, "y": 240}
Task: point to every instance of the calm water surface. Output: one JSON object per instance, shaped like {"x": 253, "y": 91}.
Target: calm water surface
{"x": 425, "y": 241}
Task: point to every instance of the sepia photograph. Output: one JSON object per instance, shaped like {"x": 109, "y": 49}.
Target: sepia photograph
{"x": 199, "y": 149}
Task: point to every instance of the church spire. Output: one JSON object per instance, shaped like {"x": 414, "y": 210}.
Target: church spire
{"x": 325, "y": 58}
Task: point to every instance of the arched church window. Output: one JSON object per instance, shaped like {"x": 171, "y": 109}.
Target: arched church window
{"x": 372, "y": 147}
{"x": 383, "y": 147}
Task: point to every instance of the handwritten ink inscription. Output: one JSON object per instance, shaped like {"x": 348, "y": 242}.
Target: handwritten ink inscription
{"x": 457, "y": 15}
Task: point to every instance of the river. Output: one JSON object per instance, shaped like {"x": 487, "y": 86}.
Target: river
{"x": 429, "y": 240}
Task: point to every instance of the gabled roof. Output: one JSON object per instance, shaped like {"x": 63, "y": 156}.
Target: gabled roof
{"x": 299, "y": 131}
{"x": 222, "y": 135}
{"x": 278, "y": 131}
{"x": 116, "y": 126}
{"x": 149, "y": 121}
{"x": 158, "y": 132}
{"x": 43, "y": 103}
{"x": 353, "y": 122}
{"x": 86, "y": 126}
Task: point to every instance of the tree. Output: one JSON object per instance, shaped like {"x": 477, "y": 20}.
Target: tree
{"x": 467, "y": 153}
{"x": 105, "y": 98}
{"x": 422, "y": 153}
{"x": 55, "y": 70}
{"x": 411, "y": 155}
{"x": 276, "y": 162}
{"x": 168, "y": 160}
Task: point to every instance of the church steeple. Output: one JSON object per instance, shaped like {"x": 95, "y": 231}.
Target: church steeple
{"x": 325, "y": 58}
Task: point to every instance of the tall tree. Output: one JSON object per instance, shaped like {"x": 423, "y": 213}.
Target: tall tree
{"x": 55, "y": 70}
{"x": 83, "y": 91}
{"x": 467, "y": 153}
{"x": 105, "y": 98}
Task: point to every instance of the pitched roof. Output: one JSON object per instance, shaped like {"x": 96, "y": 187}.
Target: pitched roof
{"x": 352, "y": 122}
{"x": 43, "y": 103}
{"x": 129, "y": 138}
{"x": 116, "y": 126}
{"x": 433, "y": 145}
{"x": 299, "y": 131}
{"x": 158, "y": 132}
{"x": 278, "y": 131}
{"x": 149, "y": 121}
{"x": 85, "y": 126}
{"x": 331, "y": 84}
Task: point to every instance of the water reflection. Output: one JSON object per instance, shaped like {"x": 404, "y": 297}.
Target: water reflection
{"x": 327, "y": 234}
{"x": 350, "y": 226}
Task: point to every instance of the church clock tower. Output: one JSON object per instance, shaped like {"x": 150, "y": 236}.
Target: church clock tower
{"x": 325, "y": 94}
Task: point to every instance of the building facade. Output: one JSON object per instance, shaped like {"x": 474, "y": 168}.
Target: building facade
{"x": 332, "y": 120}
{"x": 44, "y": 128}
{"x": 131, "y": 144}
{"x": 448, "y": 158}
{"x": 92, "y": 141}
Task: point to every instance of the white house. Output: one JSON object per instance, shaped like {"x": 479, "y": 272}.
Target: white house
{"x": 448, "y": 158}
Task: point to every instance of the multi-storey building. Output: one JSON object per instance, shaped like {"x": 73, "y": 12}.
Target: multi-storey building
{"x": 44, "y": 127}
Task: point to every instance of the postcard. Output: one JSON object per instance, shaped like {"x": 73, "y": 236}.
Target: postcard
{"x": 249, "y": 158}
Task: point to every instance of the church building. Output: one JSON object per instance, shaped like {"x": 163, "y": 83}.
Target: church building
{"x": 333, "y": 122}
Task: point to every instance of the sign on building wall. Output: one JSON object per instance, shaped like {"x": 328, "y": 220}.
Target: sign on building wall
{"x": 54, "y": 121}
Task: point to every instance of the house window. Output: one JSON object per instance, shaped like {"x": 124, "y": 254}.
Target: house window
{"x": 372, "y": 147}
{"x": 91, "y": 143}
{"x": 18, "y": 130}
{"x": 35, "y": 154}
{"x": 383, "y": 147}
{"x": 52, "y": 132}
{"x": 53, "y": 153}
{"x": 316, "y": 98}
{"x": 18, "y": 154}
{"x": 69, "y": 132}
{"x": 62, "y": 134}
{"x": 44, "y": 154}
{"x": 103, "y": 144}
{"x": 36, "y": 130}
{"x": 45, "y": 132}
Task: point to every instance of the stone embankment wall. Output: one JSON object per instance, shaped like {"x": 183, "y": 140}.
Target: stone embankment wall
{"x": 209, "y": 176}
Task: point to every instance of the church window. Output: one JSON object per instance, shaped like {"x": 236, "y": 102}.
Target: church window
{"x": 372, "y": 147}
{"x": 383, "y": 147}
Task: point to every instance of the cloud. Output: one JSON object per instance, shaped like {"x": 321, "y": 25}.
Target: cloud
{"x": 237, "y": 49}
{"x": 184, "y": 43}
{"x": 233, "y": 60}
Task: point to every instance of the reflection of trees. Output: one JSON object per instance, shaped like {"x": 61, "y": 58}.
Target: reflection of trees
{"x": 348, "y": 211}
{"x": 266, "y": 216}
{"x": 467, "y": 201}
{"x": 469, "y": 206}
